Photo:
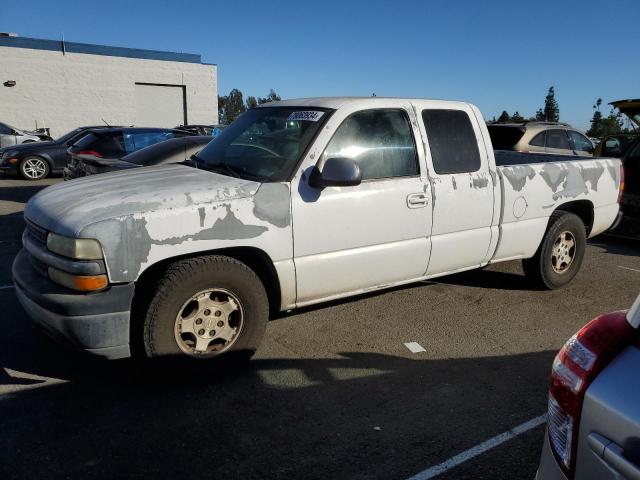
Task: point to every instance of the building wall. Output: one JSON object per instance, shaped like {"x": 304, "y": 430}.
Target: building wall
{"x": 64, "y": 91}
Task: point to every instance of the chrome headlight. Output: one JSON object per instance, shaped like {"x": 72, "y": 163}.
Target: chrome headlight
{"x": 76, "y": 248}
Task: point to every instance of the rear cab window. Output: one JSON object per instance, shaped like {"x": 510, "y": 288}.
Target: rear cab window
{"x": 452, "y": 141}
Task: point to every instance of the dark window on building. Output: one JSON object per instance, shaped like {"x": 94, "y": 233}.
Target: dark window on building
{"x": 380, "y": 141}
{"x": 453, "y": 143}
{"x": 539, "y": 140}
{"x": 558, "y": 139}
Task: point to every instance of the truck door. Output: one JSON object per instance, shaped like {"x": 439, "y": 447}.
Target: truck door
{"x": 350, "y": 239}
{"x": 462, "y": 188}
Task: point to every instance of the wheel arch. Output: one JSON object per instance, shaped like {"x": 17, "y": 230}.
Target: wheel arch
{"x": 583, "y": 209}
{"x": 256, "y": 259}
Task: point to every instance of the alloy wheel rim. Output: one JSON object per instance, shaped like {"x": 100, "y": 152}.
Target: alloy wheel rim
{"x": 209, "y": 323}
{"x": 34, "y": 168}
{"x": 563, "y": 252}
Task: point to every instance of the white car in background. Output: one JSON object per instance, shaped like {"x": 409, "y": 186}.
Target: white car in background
{"x": 12, "y": 136}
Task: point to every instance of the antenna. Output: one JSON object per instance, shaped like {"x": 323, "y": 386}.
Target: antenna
{"x": 105, "y": 122}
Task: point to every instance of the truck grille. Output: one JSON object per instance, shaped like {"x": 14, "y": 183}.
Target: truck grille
{"x": 37, "y": 233}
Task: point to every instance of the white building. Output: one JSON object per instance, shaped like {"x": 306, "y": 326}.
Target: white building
{"x": 63, "y": 85}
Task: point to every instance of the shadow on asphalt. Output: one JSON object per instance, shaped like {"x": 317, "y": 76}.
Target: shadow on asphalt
{"x": 491, "y": 279}
{"x": 20, "y": 194}
{"x": 364, "y": 415}
{"x": 617, "y": 245}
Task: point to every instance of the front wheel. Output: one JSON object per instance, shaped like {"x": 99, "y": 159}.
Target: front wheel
{"x": 560, "y": 254}
{"x": 206, "y": 308}
{"x": 34, "y": 168}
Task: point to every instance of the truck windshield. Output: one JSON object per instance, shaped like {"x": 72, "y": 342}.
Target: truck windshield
{"x": 263, "y": 144}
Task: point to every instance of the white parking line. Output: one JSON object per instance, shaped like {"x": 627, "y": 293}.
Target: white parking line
{"x": 4, "y": 287}
{"x": 479, "y": 449}
{"x": 414, "y": 347}
{"x": 629, "y": 268}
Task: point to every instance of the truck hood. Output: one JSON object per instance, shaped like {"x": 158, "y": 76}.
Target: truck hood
{"x": 630, "y": 108}
{"x": 69, "y": 207}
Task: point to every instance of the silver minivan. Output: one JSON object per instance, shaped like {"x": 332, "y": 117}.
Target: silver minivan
{"x": 13, "y": 136}
{"x": 593, "y": 429}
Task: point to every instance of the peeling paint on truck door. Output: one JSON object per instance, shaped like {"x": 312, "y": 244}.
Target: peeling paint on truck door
{"x": 350, "y": 239}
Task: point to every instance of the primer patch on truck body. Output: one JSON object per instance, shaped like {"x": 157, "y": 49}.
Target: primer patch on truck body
{"x": 272, "y": 203}
{"x": 518, "y": 175}
{"x": 162, "y": 212}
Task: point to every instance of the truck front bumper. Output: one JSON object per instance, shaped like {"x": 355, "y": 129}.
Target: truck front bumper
{"x": 97, "y": 323}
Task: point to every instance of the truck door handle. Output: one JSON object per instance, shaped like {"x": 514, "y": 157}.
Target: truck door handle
{"x": 613, "y": 456}
{"x": 417, "y": 200}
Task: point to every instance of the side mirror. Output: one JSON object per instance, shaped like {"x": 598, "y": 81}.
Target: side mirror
{"x": 336, "y": 172}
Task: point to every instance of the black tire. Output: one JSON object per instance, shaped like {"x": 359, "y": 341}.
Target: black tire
{"x": 543, "y": 268}
{"x": 184, "y": 279}
{"x": 34, "y": 168}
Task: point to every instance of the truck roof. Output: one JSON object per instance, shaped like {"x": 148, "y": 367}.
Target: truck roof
{"x": 337, "y": 102}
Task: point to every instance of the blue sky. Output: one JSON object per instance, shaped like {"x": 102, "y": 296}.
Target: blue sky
{"x": 496, "y": 54}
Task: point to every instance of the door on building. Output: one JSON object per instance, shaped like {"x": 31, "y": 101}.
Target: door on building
{"x": 160, "y": 105}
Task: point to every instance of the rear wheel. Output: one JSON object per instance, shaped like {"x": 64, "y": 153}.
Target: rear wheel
{"x": 34, "y": 168}
{"x": 206, "y": 308}
{"x": 560, "y": 254}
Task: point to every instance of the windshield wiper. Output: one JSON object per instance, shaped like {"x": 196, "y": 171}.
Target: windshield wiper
{"x": 222, "y": 168}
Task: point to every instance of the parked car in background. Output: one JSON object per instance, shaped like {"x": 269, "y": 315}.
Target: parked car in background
{"x": 114, "y": 143}
{"x": 14, "y": 136}
{"x": 593, "y": 429}
{"x": 37, "y": 160}
{"x": 175, "y": 150}
{"x": 540, "y": 137}
{"x": 215, "y": 250}
{"x": 615, "y": 146}
{"x": 211, "y": 130}
{"x": 629, "y": 222}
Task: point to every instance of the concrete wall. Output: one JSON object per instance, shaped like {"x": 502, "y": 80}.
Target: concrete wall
{"x": 64, "y": 91}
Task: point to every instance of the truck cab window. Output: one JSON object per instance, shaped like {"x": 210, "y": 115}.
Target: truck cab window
{"x": 453, "y": 143}
{"x": 380, "y": 141}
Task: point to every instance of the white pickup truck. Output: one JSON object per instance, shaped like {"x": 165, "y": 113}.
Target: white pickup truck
{"x": 298, "y": 202}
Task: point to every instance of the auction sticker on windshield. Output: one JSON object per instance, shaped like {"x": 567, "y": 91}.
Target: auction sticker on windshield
{"x": 308, "y": 115}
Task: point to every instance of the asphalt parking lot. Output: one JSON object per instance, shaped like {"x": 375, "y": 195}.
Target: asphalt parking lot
{"x": 332, "y": 393}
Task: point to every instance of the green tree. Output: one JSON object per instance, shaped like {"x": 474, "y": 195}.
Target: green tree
{"x": 596, "y": 121}
{"x": 539, "y": 115}
{"x": 551, "y": 108}
{"x": 271, "y": 97}
{"x": 517, "y": 118}
{"x": 612, "y": 124}
{"x": 230, "y": 107}
{"x": 252, "y": 102}
{"x": 504, "y": 117}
